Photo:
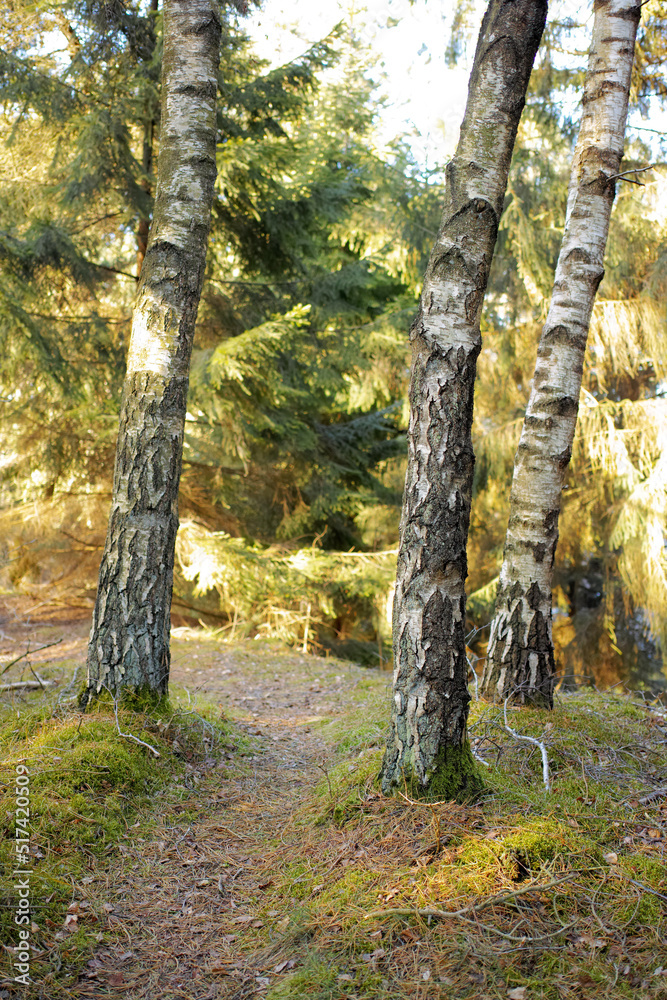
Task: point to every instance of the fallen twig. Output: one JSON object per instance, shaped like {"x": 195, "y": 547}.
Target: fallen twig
{"x": 657, "y": 794}
{"x": 225, "y": 829}
{"x": 401, "y": 911}
{"x": 521, "y": 938}
{"x": 23, "y": 685}
{"x": 39, "y": 680}
{"x": 537, "y": 743}
{"x": 72, "y": 684}
{"x": 27, "y": 653}
{"x": 478, "y": 758}
{"x": 129, "y": 736}
{"x": 646, "y": 888}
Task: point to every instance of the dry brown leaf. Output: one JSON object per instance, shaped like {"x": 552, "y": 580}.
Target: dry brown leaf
{"x": 289, "y": 963}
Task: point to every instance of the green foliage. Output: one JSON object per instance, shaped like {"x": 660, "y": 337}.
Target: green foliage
{"x": 288, "y": 593}
{"x": 299, "y": 352}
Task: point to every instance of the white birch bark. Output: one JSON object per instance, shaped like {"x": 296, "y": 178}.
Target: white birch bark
{"x": 129, "y": 639}
{"x": 427, "y": 746}
{"x": 520, "y": 657}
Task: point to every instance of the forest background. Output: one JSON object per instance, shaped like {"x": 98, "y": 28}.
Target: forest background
{"x": 295, "y": 435}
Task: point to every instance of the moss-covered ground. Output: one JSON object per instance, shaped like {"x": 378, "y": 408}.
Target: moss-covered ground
{"x": 256, "y": 856}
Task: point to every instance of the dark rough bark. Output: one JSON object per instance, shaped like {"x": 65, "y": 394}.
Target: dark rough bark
{"x": 428, "y": 728}
{"x": 129, "y": 640}
{"x": 520, "y": 656}
{"x": 147, "y": 167}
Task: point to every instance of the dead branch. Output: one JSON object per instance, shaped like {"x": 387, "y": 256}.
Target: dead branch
{"x": 520, "y": 938}
{"x": 400, "y": 911}
{"x": 26, "y": 685}
{"x": 657, "y": 794}
{"x": 27, "y": 653}
{"x": 537, "y": 743}
{"x": 129, "y": 736}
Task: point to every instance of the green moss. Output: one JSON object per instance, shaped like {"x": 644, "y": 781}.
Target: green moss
{"x": 645, "y": 911}
{"x": 353, "y": 890}
{"x": 536, "y": 845}
{"x": 141, "y": 700}
{"x": 317, "y": 980}
{"x": 297, "y": 880}
{"x": 320, "y": 980}
{"x": 344, "y": 789}
{"x": 87, "y": 783}
{"x": 454, "y": 777}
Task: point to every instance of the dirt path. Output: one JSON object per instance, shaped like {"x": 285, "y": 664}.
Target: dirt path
{"x": 238, "y": 882}
{"x": 185, "y": 903}
{"x": 189, "y": 912}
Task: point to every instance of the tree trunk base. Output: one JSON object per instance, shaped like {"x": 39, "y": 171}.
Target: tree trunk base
{"x": 141, "y": 699}
{"x": 520, "y": 656}
{"x": 454, "y": 776}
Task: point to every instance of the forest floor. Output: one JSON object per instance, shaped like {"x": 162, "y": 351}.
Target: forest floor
{"x": 256, "y": 856}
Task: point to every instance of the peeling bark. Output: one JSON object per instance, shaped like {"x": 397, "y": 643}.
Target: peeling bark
{"x": 129, "y": 639}
{"x": 520, "y": 656}
{"x": 429, "y": 718}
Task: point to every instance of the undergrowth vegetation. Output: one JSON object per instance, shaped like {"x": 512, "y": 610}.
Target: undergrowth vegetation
{"x": 559, "y": 894}
{"x": 260, "y": 854}
{"x": 91, "y": 778}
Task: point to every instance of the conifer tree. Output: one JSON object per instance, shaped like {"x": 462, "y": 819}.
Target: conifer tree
{"x": 306, "y": 214}
{"x": 427, "y": 746}
{"x": 129, "y": 641}
{"x": 78, "y": 175}
{"x": 520, "y": 656}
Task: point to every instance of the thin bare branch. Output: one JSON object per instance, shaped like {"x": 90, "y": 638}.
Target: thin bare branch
{"x": 129, "y": 736}
{"x": 405, "y": 911}
{"x": 27, "y": 653}
{"x": 537, "y": 743}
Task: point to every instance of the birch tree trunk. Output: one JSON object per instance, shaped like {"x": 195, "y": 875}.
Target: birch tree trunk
{"x": 520, "y": 656}
{"x": 147, "y": 155}
{"x": 129, "y": 639}
{"x": 427, "y": 748}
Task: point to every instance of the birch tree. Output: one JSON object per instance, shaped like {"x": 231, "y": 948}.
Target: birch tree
{"x": 427, "y": 747}
{"x": 129, "y": 640}
{"x": 520, "y": 656}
